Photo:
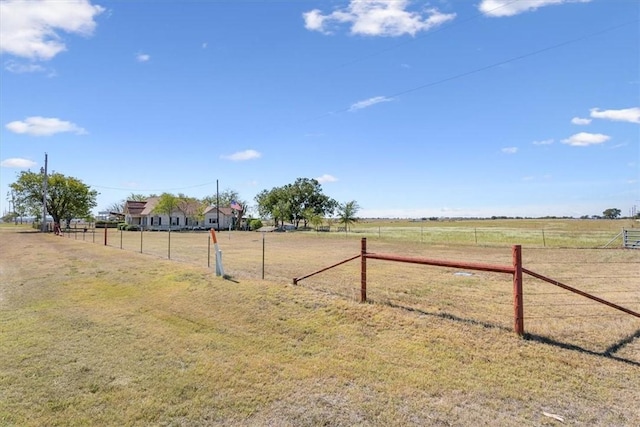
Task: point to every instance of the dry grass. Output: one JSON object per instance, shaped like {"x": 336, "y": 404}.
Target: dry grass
{"x": 103, "y": 336}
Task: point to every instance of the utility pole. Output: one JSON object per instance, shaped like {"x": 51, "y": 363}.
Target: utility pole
{"x": 44, "y": 194}
{"x": 217, "y": 207}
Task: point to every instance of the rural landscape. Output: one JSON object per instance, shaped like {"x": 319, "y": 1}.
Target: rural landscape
{"x": 106, "y": 335}
{"x": 339, "y": 213}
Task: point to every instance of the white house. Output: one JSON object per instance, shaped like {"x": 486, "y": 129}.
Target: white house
{"x": 141, "y": 213}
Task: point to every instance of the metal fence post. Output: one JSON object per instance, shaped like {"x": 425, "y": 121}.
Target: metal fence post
{"x": 517, "y": 290}
{"x": 363, "y": 270}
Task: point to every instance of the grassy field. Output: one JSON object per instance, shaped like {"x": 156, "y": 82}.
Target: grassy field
{"x": 107, "y": 336}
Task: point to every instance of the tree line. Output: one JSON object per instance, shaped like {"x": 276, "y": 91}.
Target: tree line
{"x": 302, "y": 201}
{"x": 67, "y": 198}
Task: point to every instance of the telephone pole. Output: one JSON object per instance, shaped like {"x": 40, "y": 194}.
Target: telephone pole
{"x": 44, "y": 194}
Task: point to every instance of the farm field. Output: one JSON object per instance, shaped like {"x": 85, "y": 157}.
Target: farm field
{"x": 109, "y": 336}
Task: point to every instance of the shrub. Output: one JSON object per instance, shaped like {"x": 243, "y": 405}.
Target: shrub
{"x": 132, "y": 227}
{"x": 255, "y": 224}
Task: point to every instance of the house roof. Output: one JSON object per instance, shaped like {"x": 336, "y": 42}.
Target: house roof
{"x": 224, "y": 211}
{"x": 133, "y": 207}
{"x": 150, "y": 204}
{"x": 145, "y": 208}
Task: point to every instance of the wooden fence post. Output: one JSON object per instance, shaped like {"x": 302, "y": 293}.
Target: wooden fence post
{"x": 363, "y": 270}
{"x": 517, "y": 290}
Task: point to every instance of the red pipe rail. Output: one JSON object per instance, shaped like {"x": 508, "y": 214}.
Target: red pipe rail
{"x": 442, "y": 263}
{"x": 515, "y": 269}
{"x": 297, "y": 279}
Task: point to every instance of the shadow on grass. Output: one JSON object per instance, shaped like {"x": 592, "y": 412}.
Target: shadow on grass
{"x": 609, "y": 353}
{"x": 447, "y": 316}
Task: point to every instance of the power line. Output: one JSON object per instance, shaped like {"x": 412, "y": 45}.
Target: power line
{"x": 154, "y": 189}
{"x": 486, "y": 67}
{"x": 507, "y": 61}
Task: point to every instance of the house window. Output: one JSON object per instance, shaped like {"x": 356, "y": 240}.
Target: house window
{"x": 212, "y": 221}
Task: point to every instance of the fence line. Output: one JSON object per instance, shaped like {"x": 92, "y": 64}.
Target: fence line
{"x": 516, "y": 269}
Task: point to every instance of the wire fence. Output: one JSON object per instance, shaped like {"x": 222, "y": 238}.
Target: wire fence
{"x": 479, "y": 299}
{"x": 579, "y": 238}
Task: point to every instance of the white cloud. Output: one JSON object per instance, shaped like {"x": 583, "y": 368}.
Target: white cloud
{"x": 631, "y": 115}
{"x": 580, "y": 121}
{"x": 143, "y": 57}
{"x": 510, "y": 150}
{"x": 243, "y": 155}
{"x": 544, "y": 142}
{"x": 326, "y": 178}
{"x": 584, "y": 139}
{"x": 31, "y": 29}
{"x": 20, "y": 67}
{"x": 511, "y": 7}
{"x": 17, "y": 163}
{"x": 369, "y": 102}
{"x": 377, "y": 18}
{"x": 44, "y": 126}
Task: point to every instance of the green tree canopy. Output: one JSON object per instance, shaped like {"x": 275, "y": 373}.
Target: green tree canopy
{"x": 67, "y": 197}
{"x": 347, "y": 213}
{"x": 167, "y": 205}
{"x": 295, "y": 202}
{"x": 191, "y": 208}
{"x": 611, "y": 213}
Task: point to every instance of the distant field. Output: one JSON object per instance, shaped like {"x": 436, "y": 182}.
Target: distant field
{"x": 109, "y": 336}
{"x": 552, "y": 233}
{"x": 571, "y": 233}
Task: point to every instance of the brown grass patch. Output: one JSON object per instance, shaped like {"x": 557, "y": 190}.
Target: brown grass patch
{"x": 103, "y": 336}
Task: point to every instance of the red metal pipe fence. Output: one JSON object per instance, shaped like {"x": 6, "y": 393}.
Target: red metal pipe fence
{"x": 516, "y": 270}
{"x": 297, "y": 279}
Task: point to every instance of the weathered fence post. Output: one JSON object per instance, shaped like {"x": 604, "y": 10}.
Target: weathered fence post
{"x": 105, "y": 234}
{"x": 517, "y": 290}
{"x": 363, "y": 270}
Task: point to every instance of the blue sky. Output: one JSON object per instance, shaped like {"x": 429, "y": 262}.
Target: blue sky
{"x": 411, "y": 108}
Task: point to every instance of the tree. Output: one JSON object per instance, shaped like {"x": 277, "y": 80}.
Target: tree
{"x": 347, "y": 214}
{"x": 9, "y": 217}
{"x": 313, "y": 219}
{"x": 295, "y": 202}
{"x": 19, "y": 208}
{"x": 611, "y": 213}
{"x": 274, "y": 204}
{"x": 167, "y": 205}
{"x": 137, "y": 197}
{"x": 117, "y": 207}
{"x": 191, "y": 208}
{"x": 67, "y": 197}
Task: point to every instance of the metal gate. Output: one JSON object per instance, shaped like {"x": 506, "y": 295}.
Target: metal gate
{"x": 631, "y": 239}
